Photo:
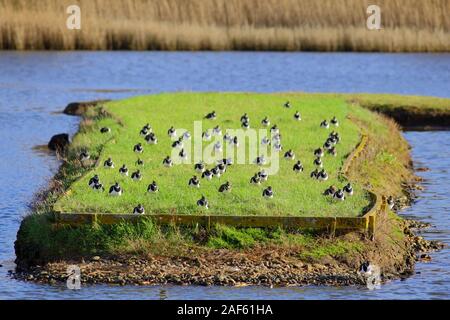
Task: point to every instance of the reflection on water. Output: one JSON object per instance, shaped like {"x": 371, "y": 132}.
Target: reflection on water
{"x": 34, "y": 87}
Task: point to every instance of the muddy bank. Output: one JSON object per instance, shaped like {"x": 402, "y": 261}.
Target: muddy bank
{"x": 410, "y": 119}
{"x": 268, "y": 266}
{"x": 80, "y": 108}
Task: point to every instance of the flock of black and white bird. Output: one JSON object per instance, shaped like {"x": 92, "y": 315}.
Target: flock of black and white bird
{"x": 319, "y": 173}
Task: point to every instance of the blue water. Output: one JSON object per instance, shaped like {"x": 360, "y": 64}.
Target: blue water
{"x": 34, "y": 87}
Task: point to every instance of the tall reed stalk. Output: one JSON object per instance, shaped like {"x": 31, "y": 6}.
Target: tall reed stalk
{"x": 285, "y": 25}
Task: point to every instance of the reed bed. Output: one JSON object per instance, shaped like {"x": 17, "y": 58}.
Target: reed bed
{"x": 279, "y": 25}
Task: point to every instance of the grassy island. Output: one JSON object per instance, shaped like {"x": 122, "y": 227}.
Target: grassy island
{"x": 146, "y": 252}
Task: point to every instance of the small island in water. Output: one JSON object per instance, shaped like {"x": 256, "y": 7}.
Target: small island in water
{"x": 231, "y": 189}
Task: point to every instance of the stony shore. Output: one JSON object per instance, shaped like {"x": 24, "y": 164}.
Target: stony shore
{"x": 258, "y": 266}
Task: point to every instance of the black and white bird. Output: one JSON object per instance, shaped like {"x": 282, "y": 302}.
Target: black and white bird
{"x": 136, "y": 176}
{"x": 187, "y": 135}
{"x": 183, "y": 155}
{"x": 277, "y": 146}
{"x": 330, "y": 191}
{"x": 92, "y": 181}
{"x": 123, "y": 170}
{"x": 167, "y": 162}
{"x": 297, "y": 116}
{"x": 217, "y": 131}
{"x": 226, "y": 187}
{"x": 339, "y": 195}
{"x": 115, "y": 190}
{"x": 274, "y": 129}
{"x": 105, "y": 130}
{"x": 327, "y": 145}
{"x": 178, "y": 143}
{"x": 318, "y": 162}
{"x": 267, "y": 193}
{"x": 139, "y": 209}
{"x": 390, "y": 202}
{"x": 211, "y": 116}
{"x": 206, "y": 135}
{"x": 138, "y": 148}
{"x": 207, "y": 174}
{"x": 139, "y": 162}
{"x": 318, "y": 152}
{"x": 324, "y": 124}
{"x": 265, "y": 141}
{"x": 335, "y": 122}
{"x": 216, "y": 172}
{"x": 289, "y": 155}
{"x": 314, "y": 174}
{"x": 236, "y": 141}
{"x": 202, "y": 202}
{"x": 153, "y": 187}
{"x": 287, "y": 104}
{"x": 199, "y": 167}
{"x": 335, "y": 136}
{"x": 332, "y": 139}
{"x": 245, "y": 118}
{"x": 172, "y": 132}
{"x": 245, "y": 125}
{"x": 322, "y": 175}
{"x": 222, "y": 168}
{"x": 98, "y": 187}
{"x": 265, "y": 122}
{"x": 276, "y": 137}
{"x": 348, "y": 189}
{"x": 366, "y": 268}
{"x": 194, "y": 182}
{"x": 84, "y": 156}
{"x": 151, "y": 138}
{"x": 145, "y": 130}
{"x": 255, "y": 179}
{"x": 263, "y": 175}
{"x": 260, "y": 160}
{"x": 332, "y": 151}
{"x": 226, "y": 161}
{"x": 218, "y": 147}
{"x": 109, "y": 164}
{"x": 227, "y": 138}
{"x": 298, "y": 167}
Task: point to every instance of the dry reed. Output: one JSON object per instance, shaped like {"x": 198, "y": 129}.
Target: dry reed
{"x": 281, "y": 25}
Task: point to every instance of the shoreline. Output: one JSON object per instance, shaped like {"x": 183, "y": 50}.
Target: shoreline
{"x": 189, "y": 267}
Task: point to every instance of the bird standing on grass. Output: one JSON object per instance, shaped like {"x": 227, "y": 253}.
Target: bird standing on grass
{"x": 226, "y": 187}
{"x": 167, "y": 162}
{"x": 348, "y": 189}
{"x": 194, "y": 182}
{"x": 152, "y": 187}
{"x": 138, "y": 148}
{"x": 123, "y": 170}
{"x": 92, "y": 181}
{"x": 203, "y": 202}
{"x": 109, "y": 164}
{"x": 139, "y": 209}
{"x": 211, "y": 116}
{"x": 267, "y": 193}
{"x": 115, "y": 190}
{"x": 136, "y": 176}
{"x": 298, "y": 167}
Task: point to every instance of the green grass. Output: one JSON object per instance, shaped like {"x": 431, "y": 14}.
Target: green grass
{"x": 294, "y": 194}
